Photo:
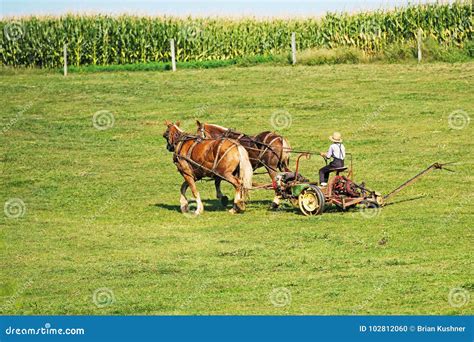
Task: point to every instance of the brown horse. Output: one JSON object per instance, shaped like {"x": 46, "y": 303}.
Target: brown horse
{"x": 266, "y": 149}
{"x": 220, "y": 158}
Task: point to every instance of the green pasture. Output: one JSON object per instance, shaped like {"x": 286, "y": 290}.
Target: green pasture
{"x": 100, "y": 231}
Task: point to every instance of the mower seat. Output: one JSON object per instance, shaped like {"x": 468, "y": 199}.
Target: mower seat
{"x": 338, "y": 169}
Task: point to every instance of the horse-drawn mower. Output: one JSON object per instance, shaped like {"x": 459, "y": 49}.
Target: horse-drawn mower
{"x": 271, "y": 151}
{"x": 341, "y": 190}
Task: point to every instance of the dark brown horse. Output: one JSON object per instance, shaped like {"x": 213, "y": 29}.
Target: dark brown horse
{"x": 266, "y": 149}
{"x": 220, "y": 158}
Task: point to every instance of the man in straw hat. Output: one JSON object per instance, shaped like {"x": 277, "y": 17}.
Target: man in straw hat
{"x": 337, "y": 151}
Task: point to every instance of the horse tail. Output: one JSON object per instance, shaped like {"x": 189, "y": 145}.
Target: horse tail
{"x": 245, "y": 169}
{"x": 285, "y": 155}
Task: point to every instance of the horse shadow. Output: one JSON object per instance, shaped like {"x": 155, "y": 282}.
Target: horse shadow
{"x": 214, "y": 205}
{"x": 209, "y": 205}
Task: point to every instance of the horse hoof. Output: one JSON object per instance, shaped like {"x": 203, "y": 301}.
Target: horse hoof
{"x": 237, "y": 209}
{"x": 273, "y": 206}
{"x": 224, "y": 201}
{"x": 184, "y": 209}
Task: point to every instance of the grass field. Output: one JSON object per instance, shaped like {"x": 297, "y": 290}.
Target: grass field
{"x": 101, "y": 231}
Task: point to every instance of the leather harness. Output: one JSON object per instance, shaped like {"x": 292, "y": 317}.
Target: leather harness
{"x": 188, "y": 158}
{"x": 263, "y": 143}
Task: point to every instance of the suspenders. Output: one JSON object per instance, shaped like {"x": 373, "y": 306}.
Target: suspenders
{"x": 340, "y": 151}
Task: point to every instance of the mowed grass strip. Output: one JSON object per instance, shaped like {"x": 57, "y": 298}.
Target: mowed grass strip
{"x": 102, "y": 206}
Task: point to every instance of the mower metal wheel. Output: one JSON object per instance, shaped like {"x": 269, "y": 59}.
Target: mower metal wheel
{"x": 311, "y": 201}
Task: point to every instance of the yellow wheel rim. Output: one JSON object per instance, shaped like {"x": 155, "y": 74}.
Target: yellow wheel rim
{"x": 309, "y": 201}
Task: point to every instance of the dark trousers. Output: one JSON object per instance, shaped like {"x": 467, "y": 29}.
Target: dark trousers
{"x": 324, "y": 171}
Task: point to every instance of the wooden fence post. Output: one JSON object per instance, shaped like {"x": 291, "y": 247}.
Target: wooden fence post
{"x": 65, "y": 59}
{"x": 293, "y": 47}
{"x": 173, "y": 56}
{"x": 419, "y": 38}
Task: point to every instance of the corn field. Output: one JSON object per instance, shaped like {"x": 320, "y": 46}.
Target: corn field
{"x": 105, "y": 40}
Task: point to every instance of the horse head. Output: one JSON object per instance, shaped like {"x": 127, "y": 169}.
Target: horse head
{"x": 201, "y": 129}
{"x": 172, "y": 134}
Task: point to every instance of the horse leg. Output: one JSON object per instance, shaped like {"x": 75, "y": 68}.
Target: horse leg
{"x": 197, "y": 196}
{"x": 182, "y": 199}
{"x": 239, "y": 204}
{"x": 276, "y": 200}
{"x": 220, "y": 196}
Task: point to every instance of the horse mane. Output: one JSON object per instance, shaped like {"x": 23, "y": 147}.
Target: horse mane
{"x": 228, "y": 130}
{"x": 218, "y": 126}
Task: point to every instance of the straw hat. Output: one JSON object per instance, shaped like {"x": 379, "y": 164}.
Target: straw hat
{"x": 336, "y": 137}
